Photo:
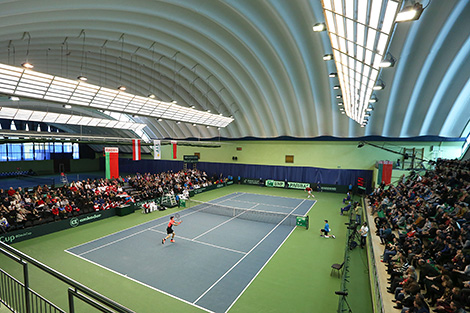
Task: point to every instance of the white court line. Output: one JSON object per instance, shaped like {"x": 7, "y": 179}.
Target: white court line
{"x": 141, "y": 283}
{"x": 202, "y": 242}
{"x": 114, "y": 241}
{"x": 226, "y": 273}
{"x": 213, "y": 228}
{"x": 267, "y": 261}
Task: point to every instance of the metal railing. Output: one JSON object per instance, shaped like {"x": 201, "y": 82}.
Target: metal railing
{"x": 19, "y": 297}
{"x": 12, "y": 295}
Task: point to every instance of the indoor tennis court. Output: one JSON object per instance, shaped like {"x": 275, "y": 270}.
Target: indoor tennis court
{"x": 215, "y": 256}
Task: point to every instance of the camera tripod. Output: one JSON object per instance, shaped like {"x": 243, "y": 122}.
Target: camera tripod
{"x": 346, "y": 301}
{"x": 354, "y": 235}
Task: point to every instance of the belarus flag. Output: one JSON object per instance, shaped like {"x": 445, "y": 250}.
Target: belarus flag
{"x": 136, "y": 149}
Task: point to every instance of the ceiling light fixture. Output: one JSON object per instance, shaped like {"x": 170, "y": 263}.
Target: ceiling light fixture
{"x": 81, "y": 76}
{"x": 410, "y": 13}
{"x": 388, "y": 61}
{"x": 359, "y": 32}
{"x": 331, "y": 75}
{"x": 151, "y": 96}
{"x": 67, "y": 106}
{"x": 121, "y": 57}
{"x": 27, "y": 64}
{"x": 13, "y": 98}
{"x": 336, "y": 87}
{"x": 327, "y": 57}
{"x": 379, "y": 85}
{"x": 373, "y": 99}
{"x": 319, "y": 27}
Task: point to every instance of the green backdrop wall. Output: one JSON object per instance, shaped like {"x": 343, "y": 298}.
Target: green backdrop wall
{"x": 324, "y": 154}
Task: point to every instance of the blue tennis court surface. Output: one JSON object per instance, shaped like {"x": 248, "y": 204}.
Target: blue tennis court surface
{"x": 214, "y": 258}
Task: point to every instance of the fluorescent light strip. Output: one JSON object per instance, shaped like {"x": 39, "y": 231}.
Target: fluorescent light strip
{"x": 357, "y": 62}
{"x": 17, "y": 81}
{"x": 58, "y": 118}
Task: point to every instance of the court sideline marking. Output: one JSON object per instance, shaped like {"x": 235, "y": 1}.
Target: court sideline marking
{"x": 229, "y": 270}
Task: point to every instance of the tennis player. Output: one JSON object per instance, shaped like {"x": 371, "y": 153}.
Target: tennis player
{"x": 309, "y": 192}
{"x": 170, "y": 231}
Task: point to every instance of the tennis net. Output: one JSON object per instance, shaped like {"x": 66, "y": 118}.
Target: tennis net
{"x": 35, "y": 181}
{"x": 246, "y": 214}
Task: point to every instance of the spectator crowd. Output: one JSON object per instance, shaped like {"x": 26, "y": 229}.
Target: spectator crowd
{"x": 423, "y": 221}
{"x": 21, "y": 208}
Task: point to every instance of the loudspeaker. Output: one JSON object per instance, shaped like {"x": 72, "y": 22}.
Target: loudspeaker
{"x": 234, "y": 158}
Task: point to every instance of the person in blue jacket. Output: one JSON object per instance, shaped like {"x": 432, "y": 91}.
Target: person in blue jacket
{"x": 325, "y": 230}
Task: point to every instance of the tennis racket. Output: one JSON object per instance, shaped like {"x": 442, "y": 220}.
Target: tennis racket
{"x": 178, "y": 218}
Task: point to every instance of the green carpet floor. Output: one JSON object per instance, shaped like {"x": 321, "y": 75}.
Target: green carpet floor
{"x": 296, "y": 279}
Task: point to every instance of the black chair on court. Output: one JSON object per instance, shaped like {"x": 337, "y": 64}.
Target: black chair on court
{"x": 337, "y": 267}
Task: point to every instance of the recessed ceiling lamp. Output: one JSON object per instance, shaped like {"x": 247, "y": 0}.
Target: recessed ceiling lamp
{"x": 336, "y": 87}
{"x": 373, "y": 100}
{"x": 333, "y": 75}
{"x": 151, "y": 96}
{"x": 82, "y": 78}
{"x": 410, "y": 13}
{"x": 122, "y": 88}
{"x": 67, "y": 106}
{"x": 327, "y": 57}
{"x": 174, "y": 101}
{"x": 319, "y": 27}
{"x": 338, "y": 96}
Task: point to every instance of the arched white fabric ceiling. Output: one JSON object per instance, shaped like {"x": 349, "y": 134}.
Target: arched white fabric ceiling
{"x": 258, "y": 61}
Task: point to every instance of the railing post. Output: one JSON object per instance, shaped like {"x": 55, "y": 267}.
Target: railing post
{"x": 71, "y": 306}
{"x": 26, "y": 286}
